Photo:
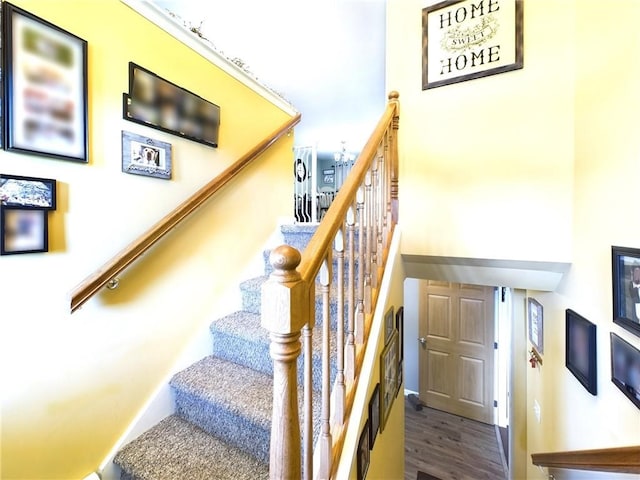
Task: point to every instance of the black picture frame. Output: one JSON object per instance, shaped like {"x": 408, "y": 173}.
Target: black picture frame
{"x": 580, "y": 350}
{"x": 364, "y": 452}
{"x": 45, "y": 87}
{"x": 400, "y": 328}
{"x": 389, "y": 325}
{"x": 535, "y": 316}
{"x": 625, "y": 270}
{"x": 388, "y": 378}
{"x": 374, "y": 415}
{"x": 23, "y": 231}
{"x": 27, "y": 192}
{"x": 625, "y": 368}
{"x": 158, "y": 103}
{"x": 465, "y": 39}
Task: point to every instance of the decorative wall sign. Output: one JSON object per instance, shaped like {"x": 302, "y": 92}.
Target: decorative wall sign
{"x": 23, "y": 231}
{"x": 27, "y": 192}
{"x": 536, "y": 324}
{"x": 625, "y": 264}
{"x": 158, "y": 103}
{"x": 45, "y": 87}
{"x": 145, "y": 156}
{"x": 467, "y": 39}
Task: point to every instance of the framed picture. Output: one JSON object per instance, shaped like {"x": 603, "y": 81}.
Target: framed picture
{"x": 400, "y": 376}
{"x": 23, "y": 231}
{"x": 145, "y": 156}
{"x": 467, "y": 39}
{"x": 374, "y": 415}
{"x": 389, "y": 325}
{"x": 400, "y": 328}
{"x": 625, "y": 368}
{"x": 45, "y": 87}
{"x": 626, "y": 287}
{"x": 536, "y": 324}
{"x": 27, "y": 192}
{"x": 580, "y": 351}
{"x": 364, "y": 454}
{"x": 388, "y": 378}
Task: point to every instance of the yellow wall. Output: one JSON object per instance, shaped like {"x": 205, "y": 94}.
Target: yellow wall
{"x": 387, "y": 456}
{"x": 482, "y": 160}
{"x": 71, "y": 384}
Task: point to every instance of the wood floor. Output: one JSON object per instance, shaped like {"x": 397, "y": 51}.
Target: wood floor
{"x": 450, "y": 447}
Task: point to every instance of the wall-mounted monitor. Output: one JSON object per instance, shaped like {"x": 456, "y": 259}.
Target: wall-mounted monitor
{"x": 163, "y": 105}
{"x": 625, "y": 368}
{"x": 580, "y": 354}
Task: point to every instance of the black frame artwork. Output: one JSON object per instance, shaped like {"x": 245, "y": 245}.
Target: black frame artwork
{"x": 400, "y": 328}
{"x": 27, "y": 192}
{"x": 580, "y": 350}
{"x": 23, "y": 231}
{"x": 625, "y": 275}
{"x": 364, "y": 452}
{"x": 388, "y": 378}
{"x": 45, "y": 87}
{"x": 389, "y": 325}
{"x": 625, "y": 368}
{"x": 374, "y": 415}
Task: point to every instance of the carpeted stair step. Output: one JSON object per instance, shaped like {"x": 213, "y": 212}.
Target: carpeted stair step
{"x": 229, "y": 401}
{"x": 268, "y": 268}
{"x": 298, "y": 235}
{"x": 239, "y": 338}
{"x": 176, "y": 449}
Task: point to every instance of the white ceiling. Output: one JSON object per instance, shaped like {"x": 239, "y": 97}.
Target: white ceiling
{"x": 325, "y": 56}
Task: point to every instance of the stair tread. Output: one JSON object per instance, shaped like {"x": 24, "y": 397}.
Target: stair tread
{"x": 175, "y": 448}
{"x": 216, "y": 381}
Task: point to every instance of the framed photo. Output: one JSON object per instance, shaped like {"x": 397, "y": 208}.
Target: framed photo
{"x": 468, "y": 39}
{"x": 580, "y": 352}
{"x": 400, "y": 328}
{"x": 23, "y": 231}
{"x": 389, "y": 325}
{"x": 45, "y": 87}
{"x": 388, "y": 378}
{"x": 145, "y": 156}
{"x": 364, "y": 454}
{"x": 400, "y": 376}
{"x": 536, "y": 324}
{"x": 374, "y": 415}
{"x": 625, "y": 368}
{"x": 27, "y": 192}
{"x": 626, "y": 287}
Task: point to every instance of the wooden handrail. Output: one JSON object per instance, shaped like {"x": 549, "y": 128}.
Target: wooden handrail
{"x": 619, "y": 460}
{"x": 94, "y": 282}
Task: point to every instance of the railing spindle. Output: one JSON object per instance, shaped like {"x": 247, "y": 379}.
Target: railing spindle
{"x": 374, "y": 224}
{"x": 340, "y": 391}
{"x": 350, "y": 349}
{"x": 368, "y": 244}
{"x": 359, "y": 326}
{"x": 307, "y": 344}
{"x": 325, "y": 434}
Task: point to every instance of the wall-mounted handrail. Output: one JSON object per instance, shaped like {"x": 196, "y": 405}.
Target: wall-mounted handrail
{"x": 619, "y": 460}
{"x": 97, "y": 280}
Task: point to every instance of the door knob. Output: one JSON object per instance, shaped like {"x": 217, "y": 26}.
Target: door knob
{"x": 423, "y": 342}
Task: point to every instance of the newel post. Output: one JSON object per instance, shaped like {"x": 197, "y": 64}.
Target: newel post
{"x": 285, "y": 311}
{"x": 393, "y": 150}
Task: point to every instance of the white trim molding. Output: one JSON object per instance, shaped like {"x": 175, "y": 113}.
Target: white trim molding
{"x": 161, "y": 18}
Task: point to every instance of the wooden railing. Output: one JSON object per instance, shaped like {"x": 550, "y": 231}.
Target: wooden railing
{"x": 355, "y": 233}
{"x": 108, "y": 272}
{"x": 619, "y": 460}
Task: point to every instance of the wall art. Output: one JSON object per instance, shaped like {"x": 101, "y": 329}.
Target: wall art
{"x": 145, "y": 156}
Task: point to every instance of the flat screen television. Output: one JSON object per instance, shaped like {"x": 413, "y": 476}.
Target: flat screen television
{"x": 625, "y": 368}
{"x": 580, "y": 355}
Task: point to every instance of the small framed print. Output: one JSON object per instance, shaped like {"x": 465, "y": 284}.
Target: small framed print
{"x": 400, "y": 328}
{"x": 23, "y": 231}
{"x": 626, "y": 288}
{"x": 389, "y": 325}
{"x": 536, "y": 324}
{"x": 145, "y": 156}
{"x": 374, "y": 415}
{"x": 27, "y": 192}
{"x": 45, "y": 87}
{"x": 364, "y": 454}
{"x": 388, "y": 378}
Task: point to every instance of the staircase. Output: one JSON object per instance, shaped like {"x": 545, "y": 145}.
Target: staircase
{"x": 221, "y": 427}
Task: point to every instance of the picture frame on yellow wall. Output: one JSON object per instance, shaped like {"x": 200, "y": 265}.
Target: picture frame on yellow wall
{"x": 535, "y": 315}
{"x": 45, "y": 87}
{"x": 388, "y": 378}
{"x": 625, "y": 262}
{"x": 146, "y": 156}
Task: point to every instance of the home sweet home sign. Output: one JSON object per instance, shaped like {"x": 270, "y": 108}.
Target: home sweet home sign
{"x": 467, "y": 39}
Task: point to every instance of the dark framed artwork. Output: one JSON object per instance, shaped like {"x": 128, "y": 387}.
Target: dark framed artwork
{"x": 158, "y": 103}
{"x": 389, "y": 325}
{"x": 27, "y": 192}
{"x": 536, "y": 324}
{"x": 400, "y": 328}
{"x": 45, "y": 87}
{"x": 23, "y": 231}
{"x": 364, "y": 452}
{"x": 388, "y": 378}
{"x": 145, "y": 156}
{"x": 625, "y": 368}
{"x": 374, "y": 415}
{"x": 625, "y": 264}
{"x": 400, "y": 376}
{"x": 468, "y": 39}
{"x": 580, "y": 350}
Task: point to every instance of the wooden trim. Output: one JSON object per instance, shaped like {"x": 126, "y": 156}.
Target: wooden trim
{"x": 94, "y": 282}
{"x": 620, "y": 460}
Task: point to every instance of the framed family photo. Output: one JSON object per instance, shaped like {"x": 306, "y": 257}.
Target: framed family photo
{"x": 625, "y": 264}
{"x": 45, "y": 87}
{"x": 374, "y": 415}
{"x": 364, "y": 454}
{"x": 536, "y": 324}
{"x": 625, "y": 368}
{"x": 581, "y": 350}
{"x": 388, "y": 378}
{"x": 145, "y": 156}
{"x": 389, "y": 325}
{"x": 23, "y": 231}
{"x": 27, "y": 192}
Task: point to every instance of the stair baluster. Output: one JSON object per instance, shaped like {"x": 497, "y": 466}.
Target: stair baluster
{"x": 350, "y": 348}
{"x": 340, "y": 386}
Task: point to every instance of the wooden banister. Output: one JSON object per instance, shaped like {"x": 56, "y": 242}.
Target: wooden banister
{"x": 97, "y": 280}
{"x": 619, "y": 460}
